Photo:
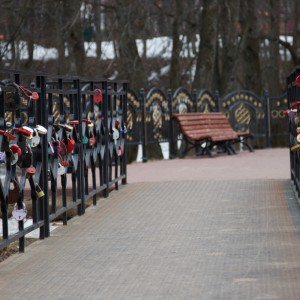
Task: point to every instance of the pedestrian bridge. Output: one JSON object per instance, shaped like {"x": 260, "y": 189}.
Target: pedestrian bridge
{"x": 226, "y": 227}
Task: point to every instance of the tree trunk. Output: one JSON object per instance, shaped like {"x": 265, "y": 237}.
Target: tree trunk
{"x": 98, "y": 35}
{"x": 175, "y": 70}
{"x": 75, "y": 37}
{"x": 130, "y": 66}
{"x": 249, "y": 71}
{"x": 207, "y": 50}
{"x": 229, "y": 52}
{"x": 271, "y": 69}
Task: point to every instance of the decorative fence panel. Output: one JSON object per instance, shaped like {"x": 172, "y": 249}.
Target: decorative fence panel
{"x": 279, "y": 127}
{"x": 261, "y": 115}
{"x": 246, "y": 111}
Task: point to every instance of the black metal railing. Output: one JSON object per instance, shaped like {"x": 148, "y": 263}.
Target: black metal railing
{"x": 293, "y": 112}
{"x": 62, "y": 143}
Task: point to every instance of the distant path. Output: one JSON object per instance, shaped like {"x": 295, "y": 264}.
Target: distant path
{"x": 262, "y": 164}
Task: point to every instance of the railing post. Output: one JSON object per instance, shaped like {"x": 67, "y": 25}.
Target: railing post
{"x": 266, "y": 101}
{"x": 124, "y": 111}
{"x": 194, "y": 97}
{"x": 106, "y": 138}
{"x": 42, "y": 118}
{"x": 144, "y": 127}
{"x": 80, "y": 168}
{"x": 171, "y": 134}
{"x": 217, "y": 100}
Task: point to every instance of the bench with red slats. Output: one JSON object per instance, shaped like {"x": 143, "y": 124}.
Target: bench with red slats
{"x": 203, "y": 131}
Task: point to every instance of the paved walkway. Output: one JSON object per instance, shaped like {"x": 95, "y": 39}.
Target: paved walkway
{"x": 226, "y": 227}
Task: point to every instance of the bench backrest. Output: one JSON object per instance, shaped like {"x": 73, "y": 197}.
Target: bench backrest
{"x": 201, "y": 125}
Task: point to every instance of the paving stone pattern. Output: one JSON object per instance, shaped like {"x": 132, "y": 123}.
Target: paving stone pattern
{"x": 213, "y": 239}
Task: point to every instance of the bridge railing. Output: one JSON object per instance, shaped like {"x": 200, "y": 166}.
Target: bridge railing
{"x": 293, "y": 112}
{"x": 62, "y": 145}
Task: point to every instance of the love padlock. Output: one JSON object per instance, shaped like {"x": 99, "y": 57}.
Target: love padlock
{"x": 13, "y": 192}
{"x": 71, "y": 144}
{"x": 30, "y": 171}
{"x": 50, "y": 148}
{"x": 7, "y": 134}
{"x": 35, "y": 138}
{"x": 2, "y": 157}
{"x": 14, "y": 158}
{"x": 39, "y": 192}
{"x": 295, "y": 147}
{"x": 84, "y": 140}
{"x": 25, "y": 163}
{"x": 27, "y": 130}
{"x": 15, "y": 149}
{"x": 61, "y": 170}
{"x": 19, "y": 214}
{"x": 98, "y": 95}
{"x": 116, "y": 134}
{"x": 124, "y": 129}
{"x": 41, "y": 129}
{"x": 63, "y": 162}
{"x": 120, "y": 150}
{"x": 117, "y": 123}
{"x": 92, "y": 140}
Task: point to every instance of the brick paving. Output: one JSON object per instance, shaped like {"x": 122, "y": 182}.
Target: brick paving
{"x": 160, "y": 237}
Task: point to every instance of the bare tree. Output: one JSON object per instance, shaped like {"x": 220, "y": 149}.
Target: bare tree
{"x": 208, "y": 44}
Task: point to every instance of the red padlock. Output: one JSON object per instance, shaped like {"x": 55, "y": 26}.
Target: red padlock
{"x": 74, "y": 122}
{"x": 8, "y": 134}
{"x": 30, "y": 171}
{"x": 98, "y": 97}
{"x": 92, "y": 140}
{"x": 297, "y": 81}
{"x": 16, "y": 149}
{"x": 87, "y": 121}
{"x": 71, "y": 145}
{"x": 120, "y": 150}
{"x": 117, "y": 123}
{"x": 35, "y": 96}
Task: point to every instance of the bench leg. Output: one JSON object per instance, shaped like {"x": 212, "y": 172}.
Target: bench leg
{"x": 244, "y": 141}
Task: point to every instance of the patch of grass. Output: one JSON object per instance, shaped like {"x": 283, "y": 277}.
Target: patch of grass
{"x": 13, "y": 248}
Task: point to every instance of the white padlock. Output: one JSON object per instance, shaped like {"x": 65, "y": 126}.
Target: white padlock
{"x": 14, "y": 159}
{"x": 19, "y": 214}
{"x": 41, "y": 129}
{"x": 116, "y": 134}
{"x": 61, "y": 170}
{"x": 35, "y": 138}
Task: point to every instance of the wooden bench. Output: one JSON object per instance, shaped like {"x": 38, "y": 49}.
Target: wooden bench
{"x": 203, "y": 131}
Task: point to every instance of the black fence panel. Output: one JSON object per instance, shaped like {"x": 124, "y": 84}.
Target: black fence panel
{"x": 134, "y": 118}
{"x": 157, "y": 116}
{"x": 206, "y": 102}
{"x": 279, "y": 129}
{"x": 62, "y": 144}
{"x": 293, "y": 113}
{"x": 246, "y": 111}
{"x": 183, "y": 101}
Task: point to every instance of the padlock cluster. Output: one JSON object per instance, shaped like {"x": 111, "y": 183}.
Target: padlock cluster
{"x": 18, "y": 146}
{"x": 117, "y": 133}
{"x": 62, "y": 143}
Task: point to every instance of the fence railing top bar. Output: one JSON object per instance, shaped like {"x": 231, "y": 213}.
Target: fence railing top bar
{"x": 117, "y": 81}
{"x": 62, "y": 92}
{"x": 241, "y": 91}
{"x": 24, "y": 72}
